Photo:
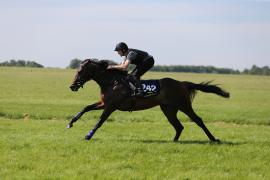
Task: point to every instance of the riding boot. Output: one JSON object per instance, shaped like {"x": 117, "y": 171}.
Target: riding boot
{"x": 139, "y": 88}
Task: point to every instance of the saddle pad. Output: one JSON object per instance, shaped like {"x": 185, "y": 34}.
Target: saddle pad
{"x": 150, "y": 87}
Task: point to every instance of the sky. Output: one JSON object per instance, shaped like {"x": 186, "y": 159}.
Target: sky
{"x": 222, "y": 33}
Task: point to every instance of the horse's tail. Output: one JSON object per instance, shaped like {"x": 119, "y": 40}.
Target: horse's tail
{"x": 206, "y": 87}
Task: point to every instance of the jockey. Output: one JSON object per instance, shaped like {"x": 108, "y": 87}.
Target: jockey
{"x": 141, "y": 59}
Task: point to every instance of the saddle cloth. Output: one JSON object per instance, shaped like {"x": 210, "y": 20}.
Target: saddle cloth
{"x": 150, "y": 87}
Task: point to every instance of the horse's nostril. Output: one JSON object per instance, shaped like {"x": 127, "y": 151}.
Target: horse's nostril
{"x": 72, "y": 87}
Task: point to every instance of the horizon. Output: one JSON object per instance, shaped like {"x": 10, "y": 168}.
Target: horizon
{"x": 223, "y": 34}
{"x": 183, "y": 65}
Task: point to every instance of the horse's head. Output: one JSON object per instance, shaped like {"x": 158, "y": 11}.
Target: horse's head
{"x": 84, "y": 73}
{"x": 90, "y": 69}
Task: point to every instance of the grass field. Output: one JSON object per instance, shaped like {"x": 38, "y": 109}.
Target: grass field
{"x": 36, "y": 105}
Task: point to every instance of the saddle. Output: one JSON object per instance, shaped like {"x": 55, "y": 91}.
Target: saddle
{"x": 150, "y": 87}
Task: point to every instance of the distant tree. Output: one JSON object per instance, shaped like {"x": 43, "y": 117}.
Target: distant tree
{"x": 6, "y": 63}
{"x": 265, "y": 70}
{"x": 33, "y": 64}
{"x": 74, "y": 63}
{"x": 254, "y": 70}
{"x": 257, "y": 70}
{"x": 21, "y": 63}
{"x": 194, "y": 69}
{"x": 12, "y": 62}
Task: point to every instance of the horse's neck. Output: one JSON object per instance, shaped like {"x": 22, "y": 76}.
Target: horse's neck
{"x": 106, "y": 79}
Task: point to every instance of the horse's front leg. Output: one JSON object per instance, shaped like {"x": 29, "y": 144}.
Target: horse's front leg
{"x": 106, "y": 113}
{"x": 96, "y": 106}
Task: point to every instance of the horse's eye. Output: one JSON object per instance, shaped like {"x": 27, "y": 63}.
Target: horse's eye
{"x": 80, "y": 72}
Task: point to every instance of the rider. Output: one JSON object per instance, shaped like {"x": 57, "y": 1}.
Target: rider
{"x": 141, "y": 59}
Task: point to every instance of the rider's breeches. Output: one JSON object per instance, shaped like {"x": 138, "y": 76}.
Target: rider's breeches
{"x": 140, "y": 69}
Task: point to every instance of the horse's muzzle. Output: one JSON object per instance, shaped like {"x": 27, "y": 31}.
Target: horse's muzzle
{"x": 73, "y": 87}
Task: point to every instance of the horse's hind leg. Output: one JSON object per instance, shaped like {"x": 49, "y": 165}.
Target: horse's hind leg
{"x": 171, "y": 114}
{"x": 192, "y": 115}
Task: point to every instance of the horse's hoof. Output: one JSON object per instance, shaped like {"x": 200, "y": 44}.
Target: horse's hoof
{"x": 69, "y": 126}
{"x": 87, "y": 137}
{"x": 216, "y": 141}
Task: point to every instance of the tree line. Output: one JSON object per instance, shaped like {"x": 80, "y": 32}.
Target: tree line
{"x": 75, "y": 63}
{"x": 257, "y": 70}
{"x": 21, "y": 63}
{"x": 195, "y": 69}
{"x": 254, "y": 70}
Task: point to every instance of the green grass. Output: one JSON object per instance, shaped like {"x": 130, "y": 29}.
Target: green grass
{"x": 135, "y": 145}
{"x": 45, "y": 94}
{"x": 131, "y": 150}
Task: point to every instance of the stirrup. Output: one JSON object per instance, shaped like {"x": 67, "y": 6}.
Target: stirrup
{"x": 139, "y": 93}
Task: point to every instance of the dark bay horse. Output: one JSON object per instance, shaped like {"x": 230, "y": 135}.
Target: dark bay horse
{"x": 174, "y": 96}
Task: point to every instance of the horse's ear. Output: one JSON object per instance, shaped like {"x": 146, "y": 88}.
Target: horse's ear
{"x": 103, "y": 64}
{"x": 86, "y": 61}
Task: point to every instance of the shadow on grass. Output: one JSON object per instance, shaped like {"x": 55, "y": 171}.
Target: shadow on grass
{"x": 184, "y": 142}
{"x": 212, "y": 143}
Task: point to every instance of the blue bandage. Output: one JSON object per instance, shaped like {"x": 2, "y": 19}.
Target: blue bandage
{"x": 91, "y": 133}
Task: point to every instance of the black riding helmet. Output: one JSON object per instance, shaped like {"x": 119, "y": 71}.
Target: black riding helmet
{"x": 121, "y": 46}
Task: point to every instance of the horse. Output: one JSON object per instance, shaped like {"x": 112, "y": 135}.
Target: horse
{"x": 173, "y": 96}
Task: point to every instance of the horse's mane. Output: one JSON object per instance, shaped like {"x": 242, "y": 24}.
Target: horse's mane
{"x": 116, "y": 71}
{"x": 105, "y": 63}
{"x": 109, "y": 62}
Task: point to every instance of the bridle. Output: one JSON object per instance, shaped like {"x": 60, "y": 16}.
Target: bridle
{"x": 79, "y": 82}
